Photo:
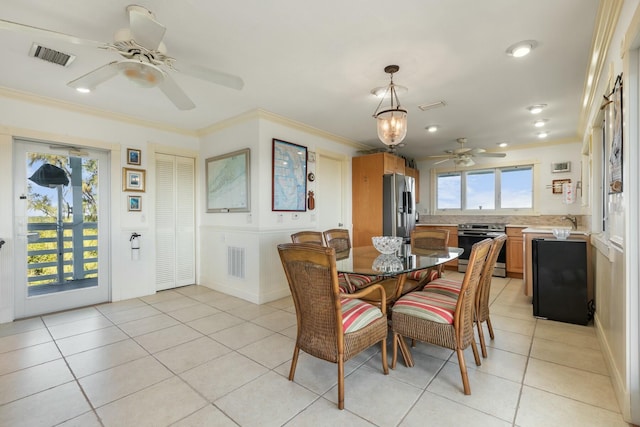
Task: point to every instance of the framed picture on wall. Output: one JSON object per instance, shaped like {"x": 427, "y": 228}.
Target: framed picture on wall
{"x": 134, "y": 157}
{"x": 615, "y": 156}
{"x": 133, "y": 179}
{"x": 228, "y": 182}
{"x": 135, "y": 204}
{"x": 289, "y": 177}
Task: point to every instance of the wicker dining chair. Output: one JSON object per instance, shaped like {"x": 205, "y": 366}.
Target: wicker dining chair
{"x": 441, "y": 320}
{"x": 338, "y": 239}
{"x": 426, "y": 241}
{"x": 452, "y": 288}
{"x": 314, "y": 237}
{"x": 331, "y": 326}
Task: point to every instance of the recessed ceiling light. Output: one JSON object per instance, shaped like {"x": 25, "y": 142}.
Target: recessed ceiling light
{"x": 542, "y": 135}
{"x": 536, "y": 109}
{"x": 540, "y": 123}
{"x": 522, "y": 48}
{"x": 502, "y": 144}
{"x": 432, "y": 128}
{"x": 83, "y": 89}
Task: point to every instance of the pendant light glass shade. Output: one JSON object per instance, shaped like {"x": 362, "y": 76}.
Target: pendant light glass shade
{"x": 392, "y": 120}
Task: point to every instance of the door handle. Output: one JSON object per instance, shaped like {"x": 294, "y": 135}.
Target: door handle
{"x": 340, "y": 224}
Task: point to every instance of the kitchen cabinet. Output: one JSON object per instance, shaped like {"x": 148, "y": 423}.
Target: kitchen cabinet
{"x": 366, "y": 185}
{"x": 453, "y": 240}
{"x": 541, "y": 233}
{"x": 392, "y": 164}
{"x": 415, "y": 173}
{"x": 515, "y": 250}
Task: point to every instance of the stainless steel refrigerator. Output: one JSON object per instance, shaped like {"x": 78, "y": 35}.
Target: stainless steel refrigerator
{"x": 398, "y": 205}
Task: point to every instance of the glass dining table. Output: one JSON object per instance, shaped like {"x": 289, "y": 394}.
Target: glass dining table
{"x": 392, "y": 270}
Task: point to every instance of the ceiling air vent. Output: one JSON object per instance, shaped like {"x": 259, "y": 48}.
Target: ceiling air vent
{"x": 51, "y": 55}
{"x": 432, "y": 105}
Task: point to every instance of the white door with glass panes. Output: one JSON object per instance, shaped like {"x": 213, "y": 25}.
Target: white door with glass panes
{"x": 175, "y": 221}
{"x": 62, "y": 227}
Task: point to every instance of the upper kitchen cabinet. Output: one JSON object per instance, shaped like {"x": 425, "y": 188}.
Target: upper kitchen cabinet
{"x": 391, "y": 163}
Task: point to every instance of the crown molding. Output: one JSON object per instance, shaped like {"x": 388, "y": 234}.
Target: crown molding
{"x": 605, "y": 26}
{"x": 83, "y": 109}
{"x": 261, "y": 114}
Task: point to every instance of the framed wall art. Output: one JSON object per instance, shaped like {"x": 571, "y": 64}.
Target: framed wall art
{"x": 615, "y": 155}
{"x": 133, "y": 179}
{"x": 228, "y": 182}
{"x": 556, "y": 185}
{"x": 134, "y": 157}
{"x": 135, "y": 204}
{"x": 289, "y": 178}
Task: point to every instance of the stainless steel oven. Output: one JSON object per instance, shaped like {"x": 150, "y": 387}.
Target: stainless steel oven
{"x": 469, "y": 234}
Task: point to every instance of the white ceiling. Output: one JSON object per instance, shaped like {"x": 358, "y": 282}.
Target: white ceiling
{"x": 316, "y": 62}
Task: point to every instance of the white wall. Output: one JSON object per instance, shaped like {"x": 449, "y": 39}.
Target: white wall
{"x": 546, "y": 203}
{"x": 52, "y": 122}
{"x": 262, "y": 230}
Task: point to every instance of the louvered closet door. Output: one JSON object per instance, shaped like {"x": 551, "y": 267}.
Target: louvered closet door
{"x": 175, "y": 221}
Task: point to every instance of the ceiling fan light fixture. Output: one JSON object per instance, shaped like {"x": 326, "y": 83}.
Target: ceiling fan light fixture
{"x": 142, "y": 73}
{"x": 391, "y": 120}
{"x": 464, "y": 161}
{"x": 536, "y": 109}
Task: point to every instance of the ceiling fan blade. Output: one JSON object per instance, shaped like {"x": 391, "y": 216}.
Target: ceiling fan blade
{"x": 41, "y": 32}
{"x": 175, "y": 93}
{"x": 145, "y": 30}
{"x": 213, "y": 76}
{"x": 461, "y": 150}
{"x": 490, "y": 154}
{"x": 441, "y": 161}
{"x": 94, "y": 78}
{"x": 440, "y": 156}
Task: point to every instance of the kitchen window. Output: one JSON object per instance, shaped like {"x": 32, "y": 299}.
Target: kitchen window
{"x": 507, "y": 188}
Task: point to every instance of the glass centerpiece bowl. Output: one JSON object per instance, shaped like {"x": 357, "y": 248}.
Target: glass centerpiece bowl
{"x": 387, "y": 244}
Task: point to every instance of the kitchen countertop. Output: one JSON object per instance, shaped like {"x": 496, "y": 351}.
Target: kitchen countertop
{"x": 549, "y": 230}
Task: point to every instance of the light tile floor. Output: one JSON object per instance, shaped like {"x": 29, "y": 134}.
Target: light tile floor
{"x": 196, "y": 357}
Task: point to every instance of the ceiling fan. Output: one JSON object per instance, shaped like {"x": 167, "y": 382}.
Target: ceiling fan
{"x": 463, "y": 156}
{"x": 145, "y": 60}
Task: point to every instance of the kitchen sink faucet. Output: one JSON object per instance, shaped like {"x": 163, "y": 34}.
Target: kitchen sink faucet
{"x": 573, "y": 219}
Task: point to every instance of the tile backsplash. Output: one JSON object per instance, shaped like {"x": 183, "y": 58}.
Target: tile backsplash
{"x": 539, "y": 220}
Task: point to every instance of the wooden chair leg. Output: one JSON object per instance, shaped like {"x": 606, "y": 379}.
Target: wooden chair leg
{"x": 475, "y": 353}
{"x": 490, "y": 328}
{"x": 341, "y": 382}
{"x": 463, "y": 372}
{"x": 385, "y": 362}
{"x": 294, "y": 362}
{"x": 394, "y": 354}
{"x": 483, "y": 346}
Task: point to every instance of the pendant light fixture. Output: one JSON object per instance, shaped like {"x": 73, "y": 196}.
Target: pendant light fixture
{"x": 392, "y": 120}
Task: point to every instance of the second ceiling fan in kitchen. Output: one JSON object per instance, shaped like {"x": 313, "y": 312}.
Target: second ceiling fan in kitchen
{"x": 463, "y": 156}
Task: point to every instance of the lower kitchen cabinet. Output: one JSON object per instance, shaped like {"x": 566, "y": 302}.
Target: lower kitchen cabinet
{"x": 515, "y": 259}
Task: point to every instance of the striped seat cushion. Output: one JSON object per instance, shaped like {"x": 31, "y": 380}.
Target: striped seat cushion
{"x": 419, "y": 275}
{"x": 345, "y": 285}
{"x": 428, "y": 306}
{"x": 350, "y": 283}
{"x": 357, "y": 314}
{"x": 447, "y": 287}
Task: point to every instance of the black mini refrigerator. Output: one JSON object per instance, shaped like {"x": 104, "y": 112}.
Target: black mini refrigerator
{"x": 560, "y": 280}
